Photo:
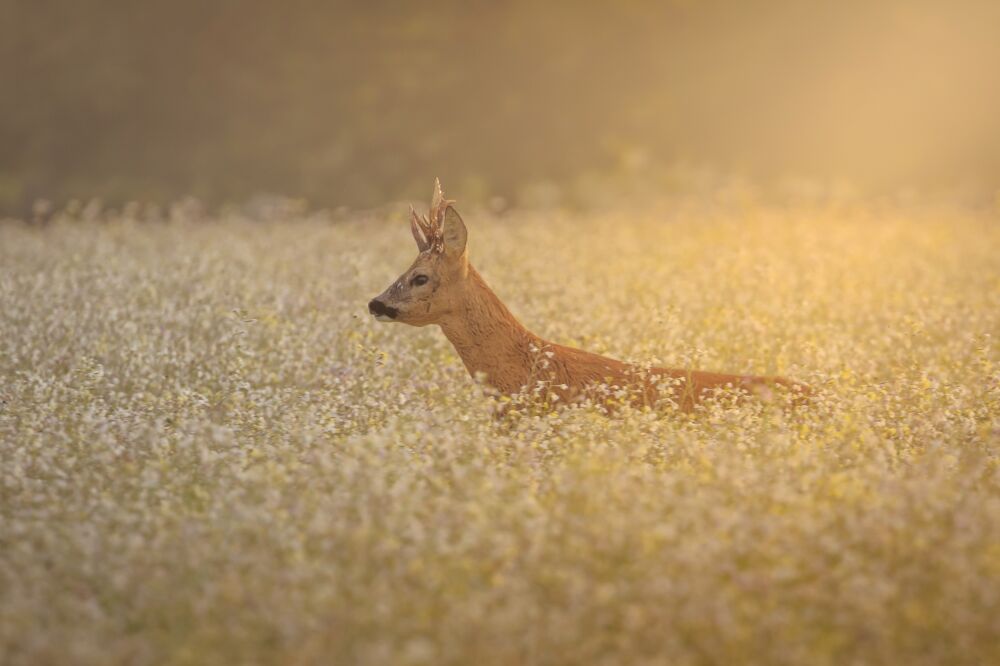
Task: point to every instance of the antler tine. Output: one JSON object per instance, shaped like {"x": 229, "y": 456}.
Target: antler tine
{"x": 438, "y": 205}
{"x": 437, "y": 196}
{"x": 438, "y": 202}
{"x": 429, "y": 229}
{"x": 419, "y": 230}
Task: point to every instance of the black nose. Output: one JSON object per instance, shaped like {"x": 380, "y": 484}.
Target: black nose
{"x": 377, "y": 307}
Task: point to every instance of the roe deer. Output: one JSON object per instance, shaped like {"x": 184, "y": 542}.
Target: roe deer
{"x": 441, "y": 287}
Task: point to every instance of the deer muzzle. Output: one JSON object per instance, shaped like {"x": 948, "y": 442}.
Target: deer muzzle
{"x": 381, "y": 311}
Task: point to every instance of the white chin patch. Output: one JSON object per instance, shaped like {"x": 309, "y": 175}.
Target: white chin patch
{"x": 382, "y": 317}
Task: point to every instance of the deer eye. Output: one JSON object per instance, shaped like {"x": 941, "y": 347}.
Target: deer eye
{"x": 418, "y": 280}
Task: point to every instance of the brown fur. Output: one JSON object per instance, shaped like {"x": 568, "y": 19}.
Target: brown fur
{"x": 495, "y": 345}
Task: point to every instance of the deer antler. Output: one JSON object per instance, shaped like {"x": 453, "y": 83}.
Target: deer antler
{"x": 427, "y": 230}
{"x": 437, "y": 196}
{"x": 418, "y": 227}
{"x": 438, "y": 205}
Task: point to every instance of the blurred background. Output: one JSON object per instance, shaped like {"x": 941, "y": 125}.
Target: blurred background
{"x": 358, "y": 103}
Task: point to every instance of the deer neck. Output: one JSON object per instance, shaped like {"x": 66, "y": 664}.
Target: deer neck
{"x": 488, "y": 338}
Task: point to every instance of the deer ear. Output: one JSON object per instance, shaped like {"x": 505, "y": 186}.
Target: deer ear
{"x": 454, "y": 232}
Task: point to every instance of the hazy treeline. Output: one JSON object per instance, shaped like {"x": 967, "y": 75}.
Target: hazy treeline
{"x": 357, "y": 103}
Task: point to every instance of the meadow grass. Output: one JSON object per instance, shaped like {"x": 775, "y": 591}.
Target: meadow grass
{"x": 210, "y": 454}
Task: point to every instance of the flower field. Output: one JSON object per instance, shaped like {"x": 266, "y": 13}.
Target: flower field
{"x": 209, "y": 453}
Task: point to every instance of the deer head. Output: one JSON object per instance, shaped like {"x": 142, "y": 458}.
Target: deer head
{"x": 432, "y": 286}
